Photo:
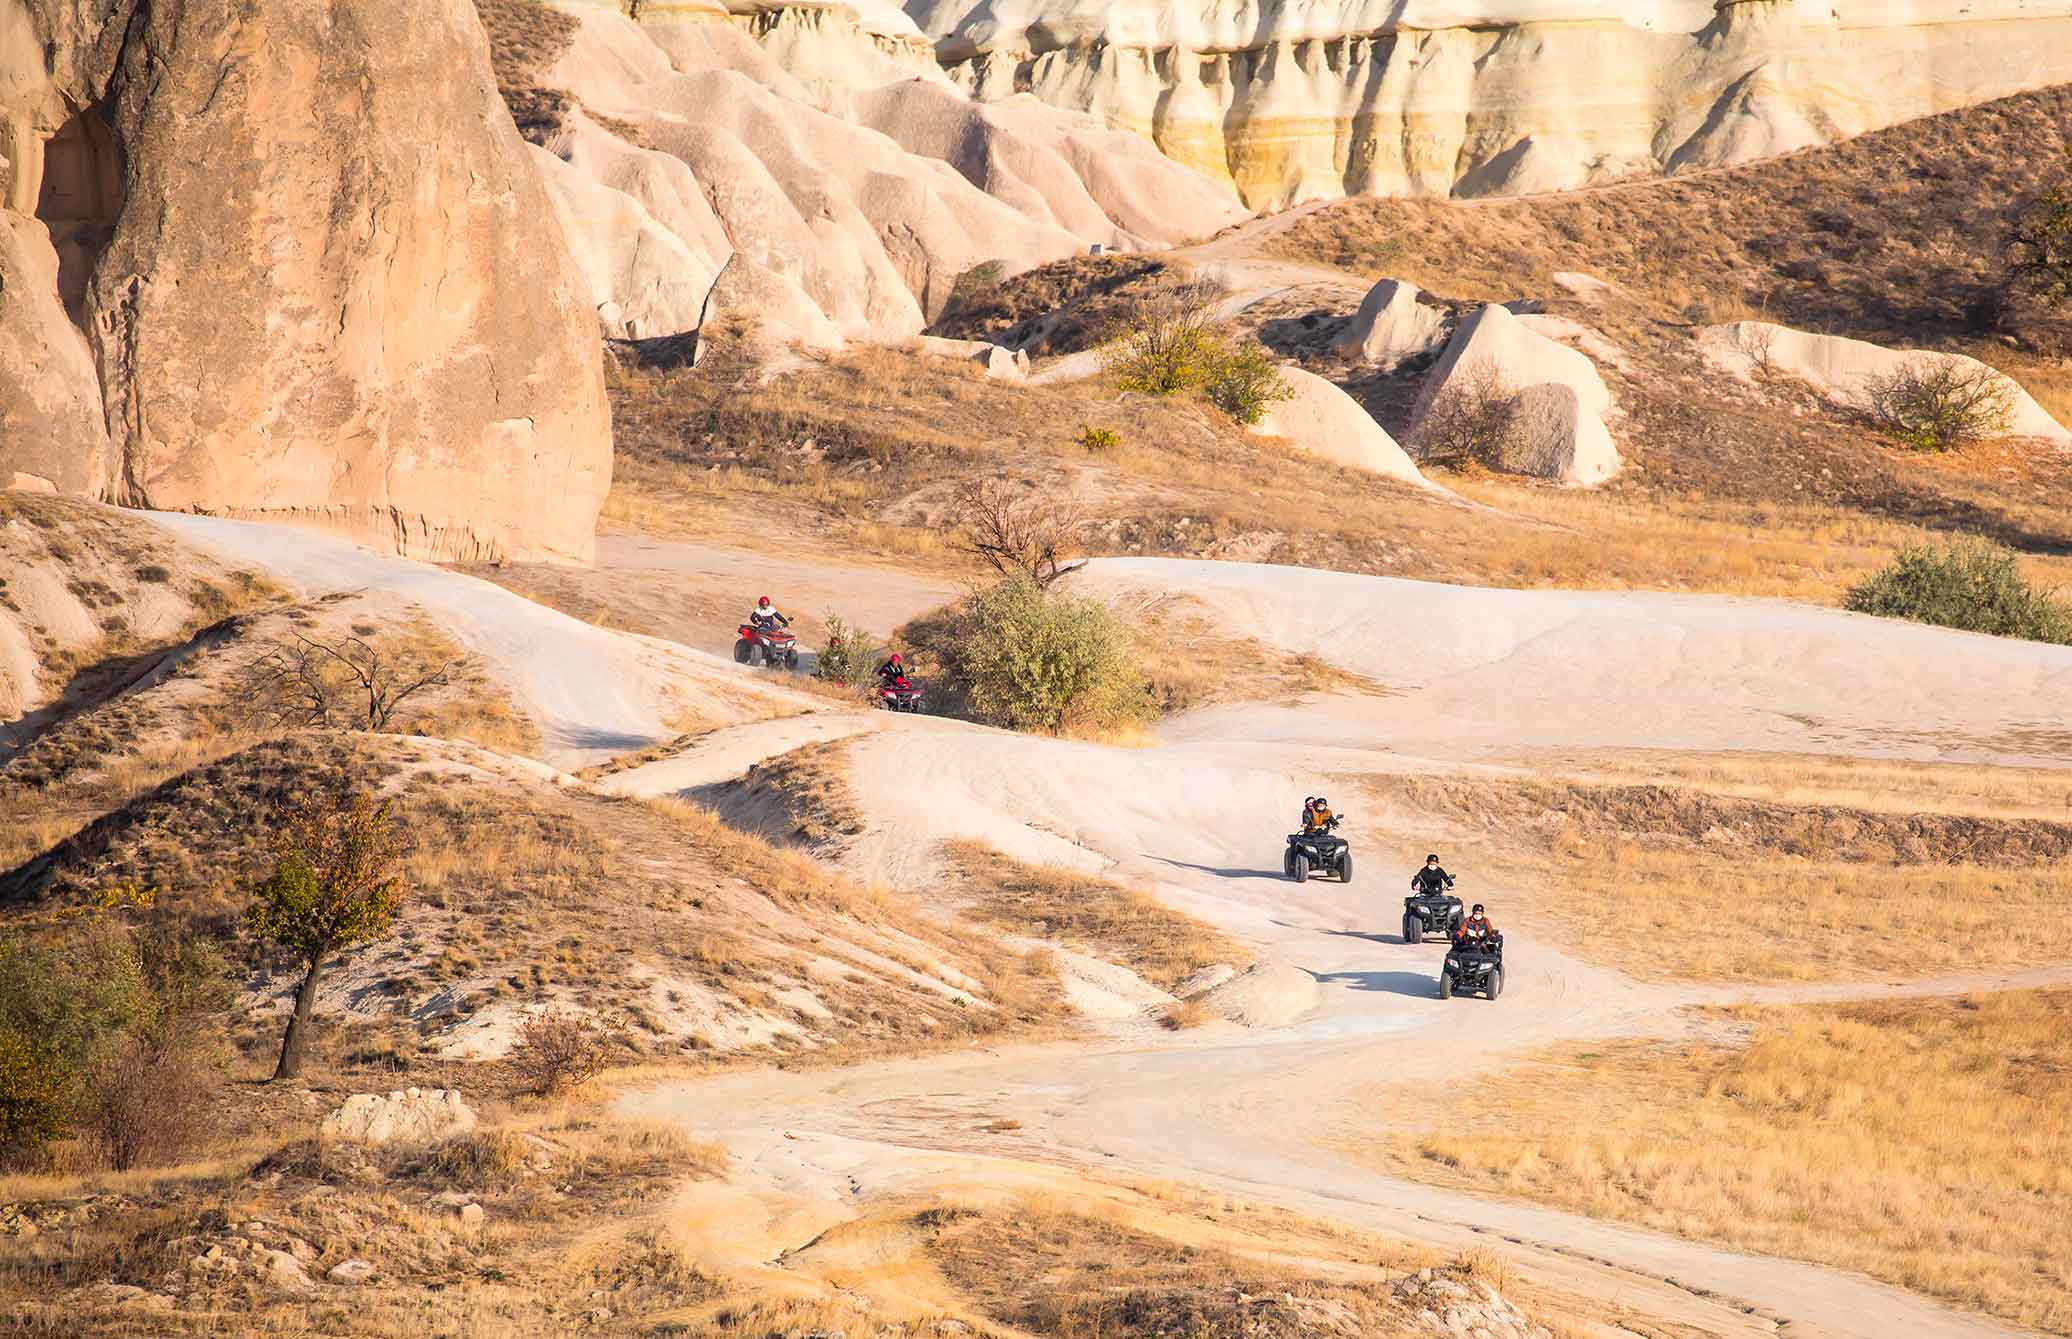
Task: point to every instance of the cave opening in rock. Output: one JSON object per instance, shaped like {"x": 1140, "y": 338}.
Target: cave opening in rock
{"x": 80, "y": 199}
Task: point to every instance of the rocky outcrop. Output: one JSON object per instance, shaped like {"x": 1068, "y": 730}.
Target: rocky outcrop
{"x": 304, "y": 245}
{"x": 1390, "y": 326}
{"x": 1441, "y": 97}
{"x": 51, "y": 436}
{"x": 812, "y": 147}
{"x": 1561, "y": 400}
{"x": 1842, "y": 370}
{"x": 1324, "y": 421}
{"x": 408, "y": 1115}
{"x": 644, "y": 281}
{"x": 998, "y": 363}
{"x": 762, "y": 307}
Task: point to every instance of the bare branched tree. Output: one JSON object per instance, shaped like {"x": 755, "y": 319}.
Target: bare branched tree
{"x": 1935, "y": 403}
{"x": 1017, "y": 530}
{"x": 1473, "y": 417}
{"x": 1757, "y": 342}
{"x": 350, "y": 683}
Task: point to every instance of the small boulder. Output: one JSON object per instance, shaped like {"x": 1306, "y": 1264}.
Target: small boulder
{"x": 411, "y": 1115}
{"x": 284, "y": 1271}
{"x": 350, "y": 1271}
{"x": 470, "y": 1216}
{"x": 999, "y": 363}
{"x": 1390, "y": 326}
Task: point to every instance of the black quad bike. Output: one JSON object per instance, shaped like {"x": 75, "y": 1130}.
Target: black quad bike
{"x": 1319, "y": 852}
{"x": 1476, "y": 965}
{"x": 1431, "y": 913}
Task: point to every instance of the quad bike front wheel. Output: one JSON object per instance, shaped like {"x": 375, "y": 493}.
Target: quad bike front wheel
{"x": 1298, "y": 867}
{"x": 1345, "y": 867}
{"x": 744, "y": 651}
{"x": 791, "y": 659}
{"x": 1413, "y": 930}
{"x": 1445, "y": 984}
{"x": 1496, "y": 983}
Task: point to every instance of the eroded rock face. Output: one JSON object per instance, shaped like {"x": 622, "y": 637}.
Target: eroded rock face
{"x": 1323, "y": 420}
{"x": 307, "y": 254}
{"x": 51, "y": 436}
{"x": 1436, "y": 97}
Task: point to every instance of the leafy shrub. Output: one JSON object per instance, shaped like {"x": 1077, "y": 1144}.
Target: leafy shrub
{"x": 1969, "y": 584}
{"x": 1245, "y": 381}
{"x": 1474, "y": 418}
{"x": 1940, "y": 404}
{"x": 1099, "y": 439}
{"x": 848, "y": 656}
{"x": 1031, "y": 659}
{"x": 96, "y": 1036}
{"x": 558, "y": 1050}
{"x": 1168, "y": 341}
{"x": 1171, "y": 341}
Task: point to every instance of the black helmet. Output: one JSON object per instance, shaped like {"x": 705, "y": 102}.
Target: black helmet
{"x": 1432, "y": 859}
{"x": 1478, "y": 908}
{"x": 1324, "y": 802}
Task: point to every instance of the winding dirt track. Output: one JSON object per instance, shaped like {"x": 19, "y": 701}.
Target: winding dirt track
{"x": 1338, "y": 1002}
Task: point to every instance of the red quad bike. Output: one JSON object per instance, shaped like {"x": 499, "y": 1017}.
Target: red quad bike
{"x": 900, "y": 694}
{"x": 780, "y": 646}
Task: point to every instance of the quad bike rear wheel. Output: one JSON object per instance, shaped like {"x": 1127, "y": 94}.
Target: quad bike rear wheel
{"x": 744, "y": 651}
{"x": 1298, "y": 867}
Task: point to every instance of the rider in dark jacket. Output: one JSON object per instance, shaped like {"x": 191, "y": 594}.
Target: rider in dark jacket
{"x": 892, "y": 671}
{"x": 1431, "y": 879}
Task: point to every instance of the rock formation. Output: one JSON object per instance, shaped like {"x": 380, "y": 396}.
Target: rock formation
{"x": 1561, "y": 402}
{"x": 1390, "y": 326}
{"x": 1324, "y": 421}
{"x": 826, "y": 147}
{"x": 1842, "y": 370}
{"x": 51, "y": 435}
{"x": 303, "y": 246}
{"x": 1441, "y": 97}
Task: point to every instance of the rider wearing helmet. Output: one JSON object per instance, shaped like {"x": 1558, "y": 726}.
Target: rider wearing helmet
{"x": 764, "y": 617}
{"x": 892, "y": 671}
{"x": 1431, "y": 879}
{"x": 1316, "y": 815}
{"x": 1476, "y": 929}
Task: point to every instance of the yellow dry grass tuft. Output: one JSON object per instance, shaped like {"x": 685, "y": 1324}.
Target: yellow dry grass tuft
{"x": 1922, "y": 1142}
{"x": 1096, "y": 915}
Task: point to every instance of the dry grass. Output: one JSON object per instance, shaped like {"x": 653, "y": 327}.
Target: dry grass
{"x": 867, "y": 451}
{"x": 1093, "y": 914}
{"x": 1923, "y": 1143}
{"x": 1868, "y": 784}
{"x": 1739, "y": 918}
{"x": 1685, "y": 881}
{"x": 1185, "y": 1014}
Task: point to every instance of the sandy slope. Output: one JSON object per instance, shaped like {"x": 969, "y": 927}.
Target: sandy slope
{"x": 593, "y": 693}
{"x": 1337, "y": 1000}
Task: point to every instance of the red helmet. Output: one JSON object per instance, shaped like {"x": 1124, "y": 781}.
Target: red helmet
{"x": 761, "y": 602}
{"x": 895, "y": 658}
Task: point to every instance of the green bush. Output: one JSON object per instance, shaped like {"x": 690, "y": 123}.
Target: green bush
{"x": 94, "y": 1020}
{"x": 1099, "y": 439}
{"x": 1171, "y": 341}
{"x": 848, "y": 656}
{"x": 1025, "y": 658}
{"x": 1245, "y": 381}
{"x": 1940, "y": 404}
{"x": 1966, "y": 583}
